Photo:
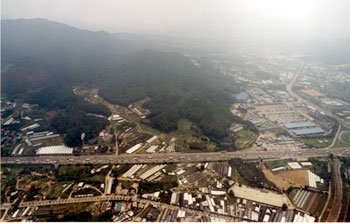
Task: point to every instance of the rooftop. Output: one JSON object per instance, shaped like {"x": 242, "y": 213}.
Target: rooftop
{"x": 294, "y": 125}
{"x": 260, "y": 196}
{"x": 312, "y": 92}
{"x": 308, "y": 131}
{"x": 60, "y": 149}
{"x": 294, "y": 165}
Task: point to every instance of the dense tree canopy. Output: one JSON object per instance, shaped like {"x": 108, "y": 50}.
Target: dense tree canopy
{"x": 45, "y": 72}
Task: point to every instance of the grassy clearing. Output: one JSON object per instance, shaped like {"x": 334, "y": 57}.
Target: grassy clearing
{"x": 184, "y": 130}
{"x": 148, "y": 129}
{"x": 188, "y": 150}
{"x": 245, "y": 139}
{"x": 346, "y": 137}
{"x": 277, "y": 163}
{"x": 319, "y": 142}
{"x": 139, "y": 104}
{"x": 339, "y": 144}
{"x": 344, "y": 142}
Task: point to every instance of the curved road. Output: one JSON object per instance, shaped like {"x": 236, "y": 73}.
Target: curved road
{"x": 338, "y": 192}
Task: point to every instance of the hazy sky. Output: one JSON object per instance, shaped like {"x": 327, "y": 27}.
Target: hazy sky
{"x": 195, "y": 18}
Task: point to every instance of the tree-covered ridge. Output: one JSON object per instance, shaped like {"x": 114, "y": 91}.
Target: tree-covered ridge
{"x": 73, "y": 120}
{"x": 46, "y": 70}
{"x": 74, "y": 123}
{"x": 177, "y": 89}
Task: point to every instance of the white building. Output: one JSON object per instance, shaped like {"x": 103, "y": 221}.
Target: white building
{"x": 52, "y": 150}
{"x": 294, "y": 165}
{"x": 134, "y": 148}
{"x": 152, "y": 139}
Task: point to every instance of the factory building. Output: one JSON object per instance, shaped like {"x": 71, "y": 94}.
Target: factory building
{"x": 304, "y": 132}
{"x": 55, "y": 150}
{"x": 134, "y": 148}
{"x": 299, "y": 125}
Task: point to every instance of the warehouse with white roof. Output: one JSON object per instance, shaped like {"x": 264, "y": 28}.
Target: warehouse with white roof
{"x": 53, "y": 150}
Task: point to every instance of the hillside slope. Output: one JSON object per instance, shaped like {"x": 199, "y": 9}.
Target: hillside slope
{"x": 47, "y": 54}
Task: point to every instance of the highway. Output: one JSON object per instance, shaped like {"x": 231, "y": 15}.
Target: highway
{"x": 174, "y": 157}
{"x": 123, "y": 198}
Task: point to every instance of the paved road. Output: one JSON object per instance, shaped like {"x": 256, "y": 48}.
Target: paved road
{"x": 76, "y": 200}
{"x": 341, "y": 135}
{"x": 336, "y": 136}
{"x": 122, "y": 198}
{"x": 173, "y": 157}
{"x": 338, "y": 192}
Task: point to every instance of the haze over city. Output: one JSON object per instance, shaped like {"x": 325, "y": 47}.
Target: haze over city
{"x": 175, "y": 111}
{"x": 269, "y": 19}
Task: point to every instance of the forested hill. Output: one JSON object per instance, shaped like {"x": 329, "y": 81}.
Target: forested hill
{"x": 38, "y": 54}
{"x": 177, "y": 89}
{"x": 43, "y": 51}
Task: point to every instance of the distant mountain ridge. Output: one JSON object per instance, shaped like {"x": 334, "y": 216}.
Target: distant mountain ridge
{"x": 40, "y": 54}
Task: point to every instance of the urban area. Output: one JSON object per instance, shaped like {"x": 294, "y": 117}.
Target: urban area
{"x": 131, "y": 172}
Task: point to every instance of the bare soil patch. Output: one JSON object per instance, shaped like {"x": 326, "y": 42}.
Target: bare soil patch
{"x": 285, "y": 179}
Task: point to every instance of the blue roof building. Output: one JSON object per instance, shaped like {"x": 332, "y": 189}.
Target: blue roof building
{"x": 242, "y": 97}
{"x": 311, "y": 131}
{"x": 296, "y": 125}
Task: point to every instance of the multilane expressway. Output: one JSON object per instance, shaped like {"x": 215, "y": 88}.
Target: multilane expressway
{"x": 174, "y": 157}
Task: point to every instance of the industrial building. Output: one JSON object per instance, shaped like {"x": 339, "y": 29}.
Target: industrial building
{"x": 299, "y": 125}
{"x": 260, "y": 196}
{"x": 313, "y": 179}
{"x": 152, "y": 139}
{"x": 35, "y": 125}
{"x": 134, "y": 148}
{"x": 52, "y": 150}
{"x": 152, "y": 149}
{"x": 294, "y": 165}
{"x": 312, "y": 131}
{"x": 109, "y": 186}
{"x": 151, "y": 171}
{"x": 132, "y": 171}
